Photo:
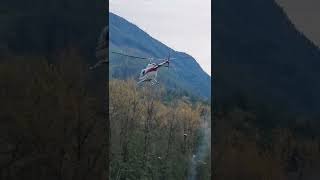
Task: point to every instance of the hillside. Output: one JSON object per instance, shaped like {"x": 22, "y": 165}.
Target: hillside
{"x": 185, "y": 74}
{"x": 42, "y": 28}
{"x": 149, "y": 138}
{"x": 267, "y": 94}
{"x": 260, "y": 58}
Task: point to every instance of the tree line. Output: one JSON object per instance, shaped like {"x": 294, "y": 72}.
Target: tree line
{"x": 51, "y": 120}
{"x": 153, "y": 137}
{"x": 245, "y": 147}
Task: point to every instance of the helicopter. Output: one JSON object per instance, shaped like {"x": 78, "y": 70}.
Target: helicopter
{"x": 150, "y": 72}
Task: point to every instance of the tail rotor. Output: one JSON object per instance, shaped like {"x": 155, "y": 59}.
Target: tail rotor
{"x": 169, "y": 61}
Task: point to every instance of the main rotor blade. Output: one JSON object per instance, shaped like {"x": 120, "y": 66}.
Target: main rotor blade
{"x": 130, "y": 55}
{"x": 137, "y": 57}
{"x": 164, "y": 59}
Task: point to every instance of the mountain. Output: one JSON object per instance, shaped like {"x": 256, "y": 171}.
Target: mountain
{"x": 184, "y": 74}
{"x": 261, "y": 58}
{"x": 44, "y": 28}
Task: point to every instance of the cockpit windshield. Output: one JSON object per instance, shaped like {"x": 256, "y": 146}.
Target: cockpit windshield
{"x": 142, "y": 72}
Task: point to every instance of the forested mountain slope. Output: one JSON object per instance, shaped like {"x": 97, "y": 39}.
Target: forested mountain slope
{"x": 260, "y": 58}
{"x": 45, "y": 28}
{"x": 184, "y": 74}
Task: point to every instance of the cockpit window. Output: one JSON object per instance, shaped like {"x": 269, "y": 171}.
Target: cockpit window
{"x": 142, "y": 72}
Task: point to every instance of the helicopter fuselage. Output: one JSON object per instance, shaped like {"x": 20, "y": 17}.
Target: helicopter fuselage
{"x": 149, "y": 73}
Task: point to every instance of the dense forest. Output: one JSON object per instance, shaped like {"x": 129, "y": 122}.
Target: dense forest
{"x": 52, "y": 123}
{"x": 244, "y": 148}
{"x": 52, "y": 117}
{"x": 153, "y": 137}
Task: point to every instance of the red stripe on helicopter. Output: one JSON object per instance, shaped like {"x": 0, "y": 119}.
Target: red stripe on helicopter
{"x": 152, "y": 69}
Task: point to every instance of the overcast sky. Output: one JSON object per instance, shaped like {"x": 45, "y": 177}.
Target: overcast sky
{"x": 184, "y": 25}
{"x": 305, "y": 15}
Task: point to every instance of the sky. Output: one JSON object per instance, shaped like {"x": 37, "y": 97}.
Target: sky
{"x": 305, "y": 15}
{"x": 183, "y": 25}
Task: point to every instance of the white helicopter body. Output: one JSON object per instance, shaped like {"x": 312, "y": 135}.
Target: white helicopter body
{"x": 148, "y": 74}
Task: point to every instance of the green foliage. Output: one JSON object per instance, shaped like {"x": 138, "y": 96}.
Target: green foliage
{"x": 50, "y": 123}
{"x": 284, "y": 152}
{"x": 148, "y": 133}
